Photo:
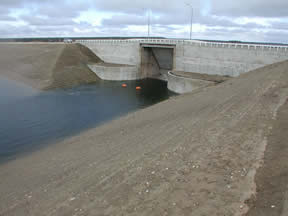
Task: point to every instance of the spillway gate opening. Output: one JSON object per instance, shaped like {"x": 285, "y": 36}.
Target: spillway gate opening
{"x": 157, "y": 60}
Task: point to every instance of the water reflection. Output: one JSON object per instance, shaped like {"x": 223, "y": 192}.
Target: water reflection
{"x": 11, "y": 91}
{"x": 29, "y": 119}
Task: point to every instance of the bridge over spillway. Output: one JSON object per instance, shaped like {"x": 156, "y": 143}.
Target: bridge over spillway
{"x": 140, "y": 58}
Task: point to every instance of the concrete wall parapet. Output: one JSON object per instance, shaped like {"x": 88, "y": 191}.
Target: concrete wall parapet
{"x": 277, "y": 48}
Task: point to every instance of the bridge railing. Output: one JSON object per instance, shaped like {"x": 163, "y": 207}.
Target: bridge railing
{"x": 281, "y": 48}
{"x": 155, "y": 41}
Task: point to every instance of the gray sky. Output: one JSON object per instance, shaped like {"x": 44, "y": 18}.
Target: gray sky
{"x": 246, "y": 20}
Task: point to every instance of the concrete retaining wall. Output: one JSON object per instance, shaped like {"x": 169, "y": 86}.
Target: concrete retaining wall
{"x": 224, "y": 60}
{"x": 194, "y": 56}
{"x": 119, "y": 53}
{"x": 182, "y": 85}
{"x": 116, "y": 72}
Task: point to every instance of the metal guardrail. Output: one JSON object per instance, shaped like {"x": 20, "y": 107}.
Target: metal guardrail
{"x": 283, "y": 48}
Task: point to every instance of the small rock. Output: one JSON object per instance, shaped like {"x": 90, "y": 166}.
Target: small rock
{"x": 147, "y": 191}
{"x": 273, "y": 206}
{"x": 241, "y": 206}
{"x": 72, "y": 198}
{"x": 153, "y": 172}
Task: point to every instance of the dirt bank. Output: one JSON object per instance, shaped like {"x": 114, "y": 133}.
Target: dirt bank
{"x": 71, "y": 67}
{"x": 196, "y": 154}
{"x": 47, "y": 65}
{"x": 272, "y": 177}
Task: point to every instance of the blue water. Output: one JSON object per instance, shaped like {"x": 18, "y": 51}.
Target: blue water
{"x": 30, "y": 119}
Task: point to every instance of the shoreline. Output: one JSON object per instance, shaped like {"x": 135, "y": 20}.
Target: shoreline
{"x": 192, "y": 154}
{"x": 42, "y": 145}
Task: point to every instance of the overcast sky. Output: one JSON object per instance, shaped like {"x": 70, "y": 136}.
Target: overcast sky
{"x": 246, "y": 20}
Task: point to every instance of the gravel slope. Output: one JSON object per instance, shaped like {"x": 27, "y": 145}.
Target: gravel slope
{"x": 47, "y": 65}
{"x": 272, "y": 177}
{"x": 195, "y": 154}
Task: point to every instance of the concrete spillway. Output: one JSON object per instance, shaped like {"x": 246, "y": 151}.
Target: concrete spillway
{"x": 152, "y": 58}
{"x": 156, "y": 61}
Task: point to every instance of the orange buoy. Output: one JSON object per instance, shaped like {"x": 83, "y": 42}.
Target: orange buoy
{"x": 138, "y": 88}
{"x": 124, "y": 85}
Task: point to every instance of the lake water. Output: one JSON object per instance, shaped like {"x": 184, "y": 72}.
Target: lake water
{"x": 30, "y": 119}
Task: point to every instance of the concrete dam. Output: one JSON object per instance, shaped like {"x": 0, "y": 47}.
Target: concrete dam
{"x": 169, "y": 59}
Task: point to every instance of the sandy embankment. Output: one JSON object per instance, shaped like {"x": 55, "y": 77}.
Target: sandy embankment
{"x": 195, "y": 154}
{"x": 47, "y": 65}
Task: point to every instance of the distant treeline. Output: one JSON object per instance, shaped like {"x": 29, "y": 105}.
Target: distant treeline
{"x": 245, "y": 42}
{"x": 62, "y": 39}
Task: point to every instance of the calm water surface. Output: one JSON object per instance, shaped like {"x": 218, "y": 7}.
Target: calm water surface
{"x": 30, "y": 119}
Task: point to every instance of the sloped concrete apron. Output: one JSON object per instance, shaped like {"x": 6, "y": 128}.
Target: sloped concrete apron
{"x": 181, "y": 85}
{"x": 116, "y": 72}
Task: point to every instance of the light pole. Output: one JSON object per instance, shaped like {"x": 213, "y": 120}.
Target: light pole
{"x": 191, "y": 21}
{"x": 148, "y": 11}
{"x": 148, "y": 21}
